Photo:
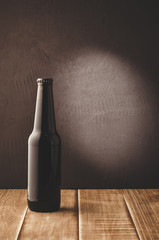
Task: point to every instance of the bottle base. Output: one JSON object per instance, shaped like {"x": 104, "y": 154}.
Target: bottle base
{"x": 43, "y": 206}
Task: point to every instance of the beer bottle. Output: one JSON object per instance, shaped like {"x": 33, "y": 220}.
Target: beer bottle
{"x": 44, "y": 153}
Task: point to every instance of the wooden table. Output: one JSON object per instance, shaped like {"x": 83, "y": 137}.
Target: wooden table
{"x": 85, "y": 214}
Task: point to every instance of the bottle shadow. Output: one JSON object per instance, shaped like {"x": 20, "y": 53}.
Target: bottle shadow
{"x": 68, "y": 209}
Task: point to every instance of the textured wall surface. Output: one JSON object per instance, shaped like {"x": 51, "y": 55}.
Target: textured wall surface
{"x": 103, "y": 56}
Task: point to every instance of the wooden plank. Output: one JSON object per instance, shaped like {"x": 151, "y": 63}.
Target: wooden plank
{"x": 103, "y": 214}
{"x": 60, "y": 225}
{"x": 144, "y": 208}
{"x": 13, "y": 207}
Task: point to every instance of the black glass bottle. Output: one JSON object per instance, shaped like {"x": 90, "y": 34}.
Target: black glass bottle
{"x": 44, "y": 153}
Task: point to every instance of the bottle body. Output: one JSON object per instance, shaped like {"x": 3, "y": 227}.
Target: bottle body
{"x": 44, "y": 155}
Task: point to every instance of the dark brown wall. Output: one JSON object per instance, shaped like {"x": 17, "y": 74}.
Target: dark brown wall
{"x": 103, "y": 56}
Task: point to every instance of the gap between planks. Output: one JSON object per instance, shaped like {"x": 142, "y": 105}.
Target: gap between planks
{"x": 21, "y": 224}
{"x": 129, "y": 211}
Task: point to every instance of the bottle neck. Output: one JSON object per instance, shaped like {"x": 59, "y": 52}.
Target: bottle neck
{"x": 44, "y": 113}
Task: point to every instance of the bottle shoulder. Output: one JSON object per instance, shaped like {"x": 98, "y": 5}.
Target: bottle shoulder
{"x": 38, "y": 136}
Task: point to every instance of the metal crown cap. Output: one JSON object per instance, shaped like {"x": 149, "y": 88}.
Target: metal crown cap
{"x": 44, "y": 80}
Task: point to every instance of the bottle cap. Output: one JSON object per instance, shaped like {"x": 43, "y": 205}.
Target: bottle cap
{"x": 44, "y": 80}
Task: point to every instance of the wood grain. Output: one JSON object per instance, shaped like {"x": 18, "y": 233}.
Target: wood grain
{"x": 13, "y": 208}
{"x": 91, "y": 214}
{"x": 143, "y": 205}
{"x": 103, "y": 214}
{"x": 59, "y": 225}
